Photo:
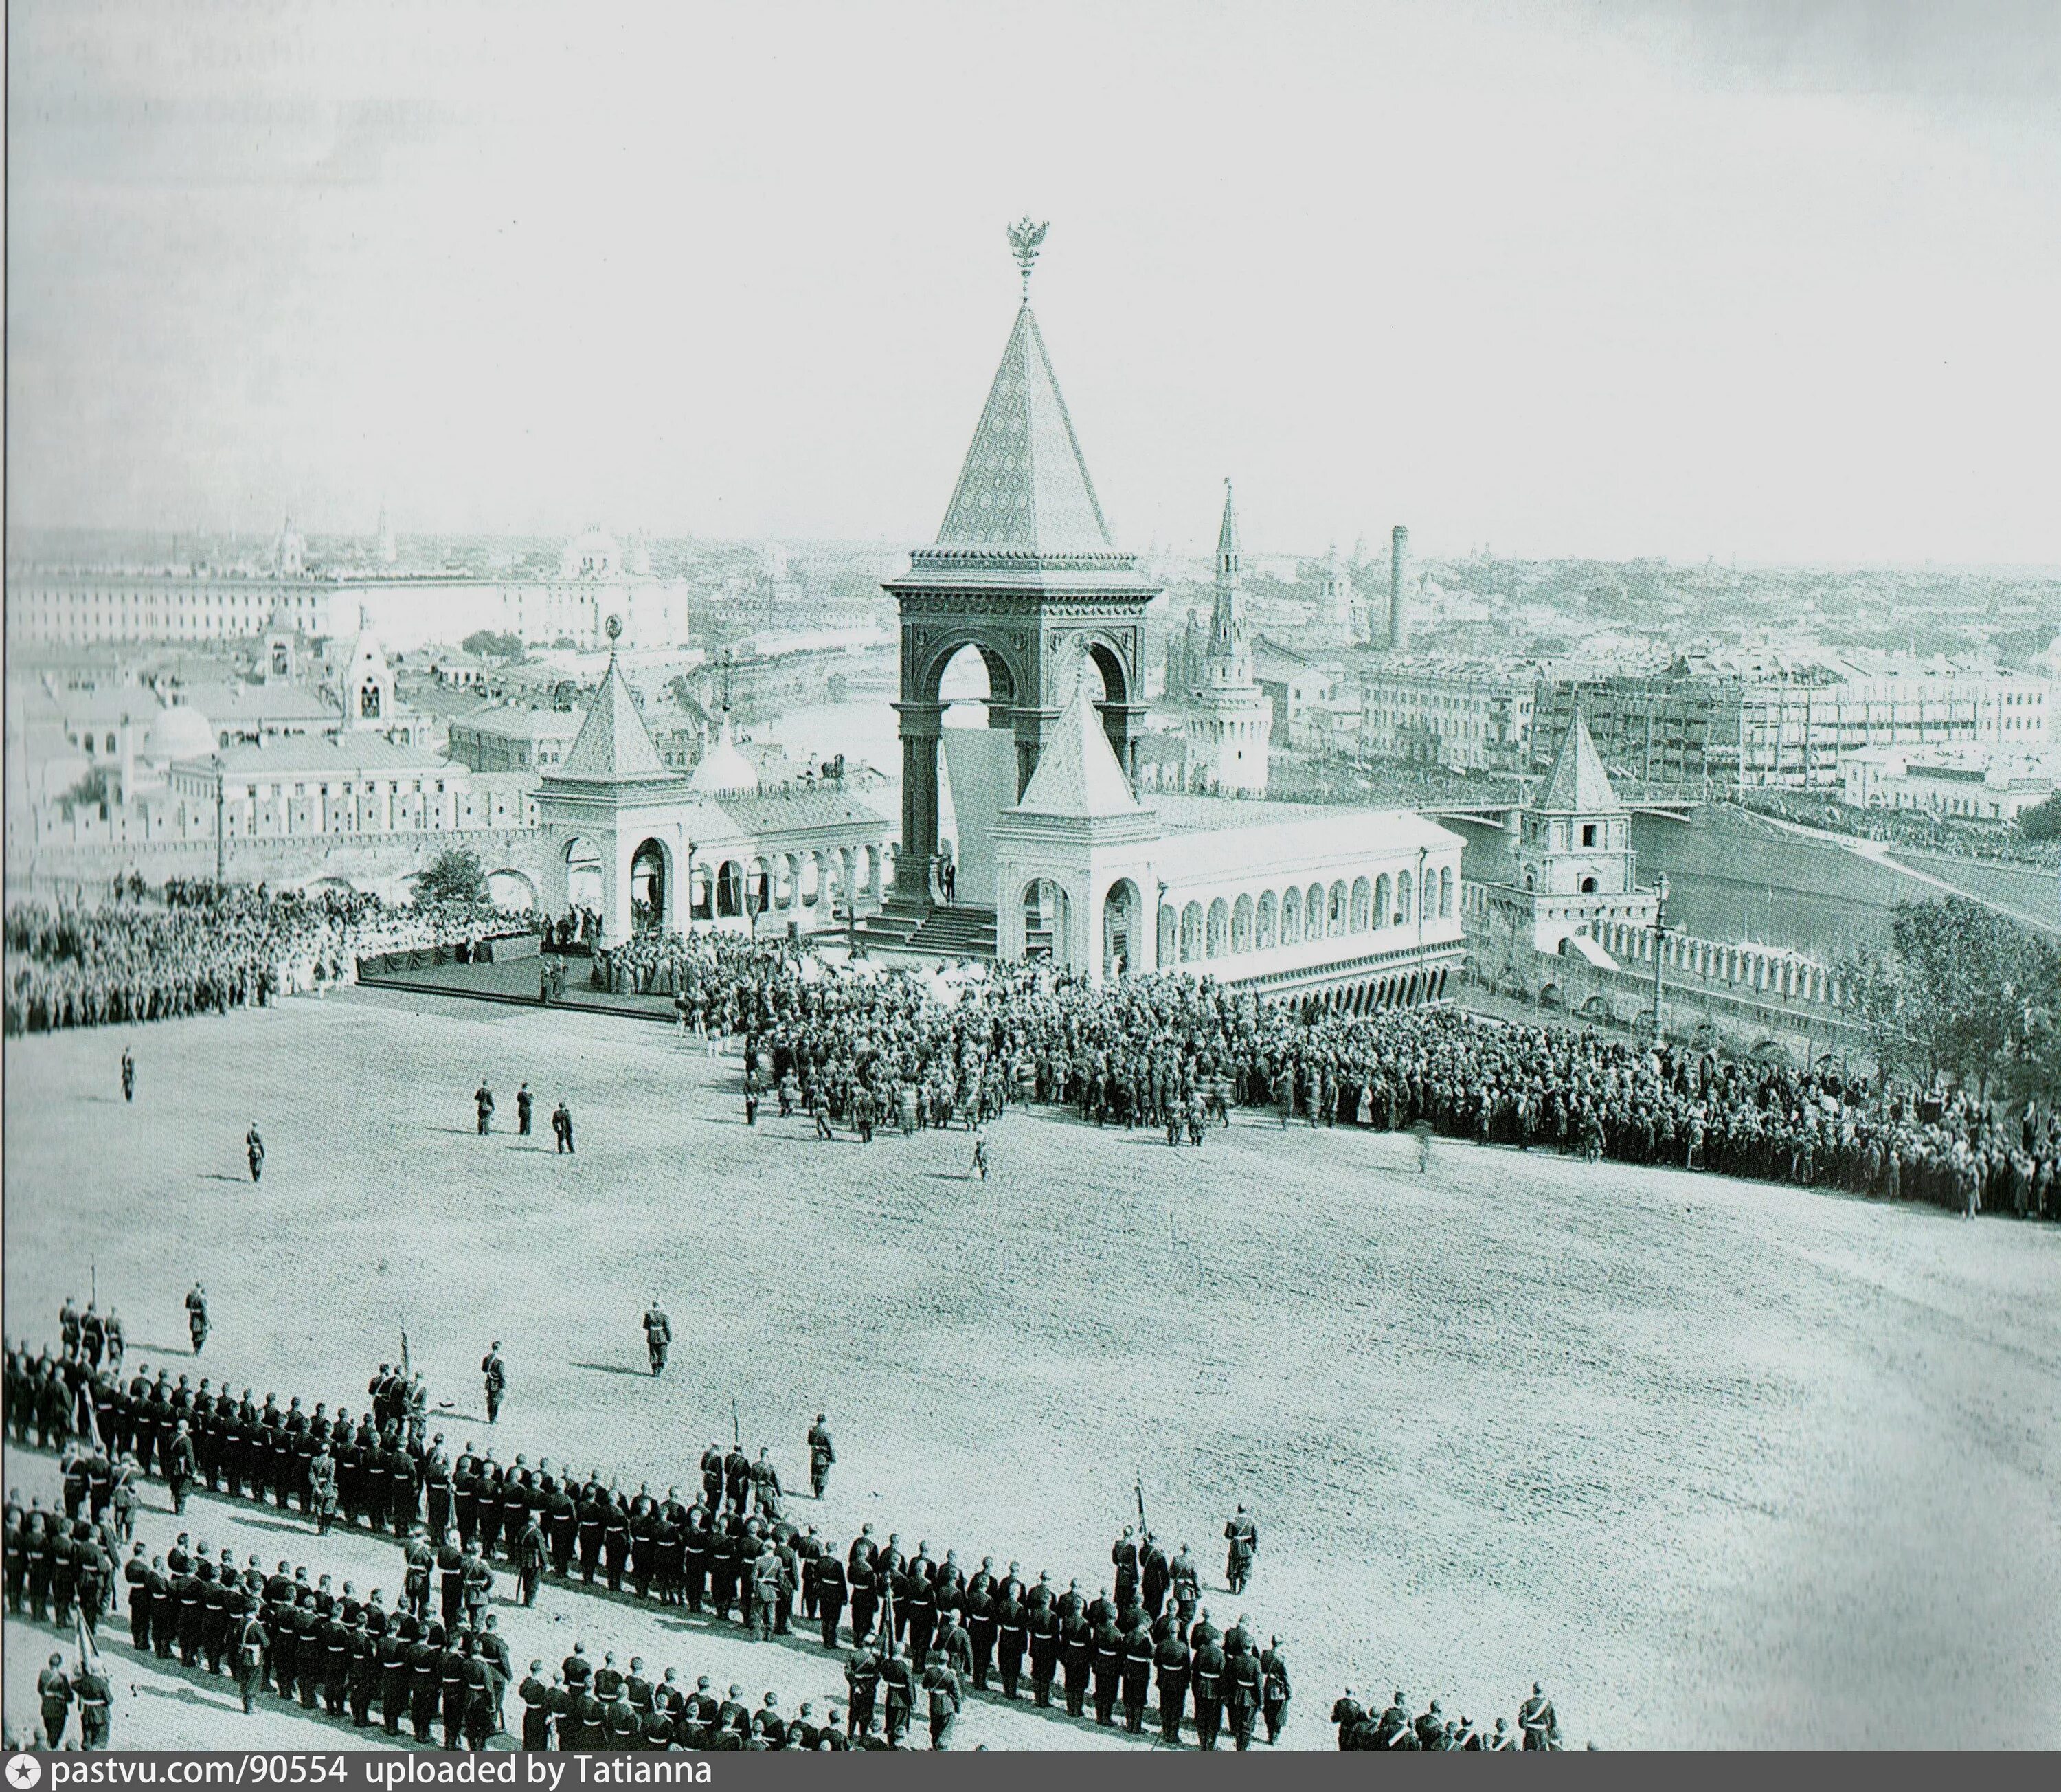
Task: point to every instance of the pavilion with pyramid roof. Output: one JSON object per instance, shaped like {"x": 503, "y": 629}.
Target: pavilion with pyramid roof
{"x": 647, "y": 846}
{"x": 1574, "y": 872}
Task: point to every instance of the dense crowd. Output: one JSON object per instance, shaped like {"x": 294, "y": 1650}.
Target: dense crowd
{"x": 1173, "y": 1052}
{"x": 916, "y": 1624}
{"x": 1362, "y": 1729}
{"x": 208, "y": 948}
{"x": 2002, "y": 842}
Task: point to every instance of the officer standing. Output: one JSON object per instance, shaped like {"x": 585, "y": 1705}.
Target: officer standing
{"x": 249, "y": 1658}
{"x": 1205, "y": 1675}
{"x": 197, "y": 1325}
{"x": 253, "y": 1149}
{"x": 821, "y": 1454}
{"x": 90, "y": 1685}
{"x": 525, "y": 1103}
{"x": 53, "y": 1690}
{"x": 1242, "y": 1533}
{"x": 1171, "y": 1658}
{"x": 830, "y": 1585}
{"x": 128, "y": 1076}
{"x": 561, "y": 1126}
{"x": 1275, "y": 1690}
{"x": 658, "y": 1333}
{"x": 496, "y": 1374}
{"x": 482, "y": 1102}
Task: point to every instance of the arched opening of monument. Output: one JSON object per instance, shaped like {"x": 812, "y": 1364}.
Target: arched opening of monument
{"x": 729, "y": 890}
{"x": 583, "y": 874}
{"x": 647, "y": 887}
{"x": 510, "y": 891}
{"x": 1046, "y": 919}
{"x": 1120, "y": 915}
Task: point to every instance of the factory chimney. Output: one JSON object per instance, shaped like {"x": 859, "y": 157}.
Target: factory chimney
{"x": 1398, "y": 584}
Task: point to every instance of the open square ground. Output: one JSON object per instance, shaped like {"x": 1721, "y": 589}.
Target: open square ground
{"x": 1719, "y": 1463}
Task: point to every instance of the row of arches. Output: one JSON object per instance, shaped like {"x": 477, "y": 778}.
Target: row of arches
{"x": 1373, "y": 995}
{"x": 1227, "y": 928}
{"x": 744, "y": 887}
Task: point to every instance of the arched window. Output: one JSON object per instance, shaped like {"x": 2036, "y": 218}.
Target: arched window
{"x": 1170, "y": 935}
{"x": 1405, "y": 891}
{"x": 1265, "y": 929}
{"x": 1191, "y": 933}
{"x": 1292, "y": 918}
{"x": 1217, "y": 941}
{"x": 1445, "y": 891}
{"x": 1313, "y": 912}
{"x": 1381, "y": 894}
{"x": 1241, "y": 924}
{"x": 1363, "y": 905}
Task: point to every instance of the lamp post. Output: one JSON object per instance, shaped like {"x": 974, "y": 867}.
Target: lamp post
{"x": 1425, "y": 984}
{"x": 221, "y": 858}
{"x": 1659, "y": 936}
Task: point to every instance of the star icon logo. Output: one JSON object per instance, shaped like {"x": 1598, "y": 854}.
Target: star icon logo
{"x": 23, "y": 1771}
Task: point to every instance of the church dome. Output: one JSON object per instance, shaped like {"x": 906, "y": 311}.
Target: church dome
{"x": 723, "y": 770}
{"x": 592, "y": 554}
{"x": 179, "y": 732}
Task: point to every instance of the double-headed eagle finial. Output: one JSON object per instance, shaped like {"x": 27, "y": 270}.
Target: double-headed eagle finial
{"x": 1025, "y": 238}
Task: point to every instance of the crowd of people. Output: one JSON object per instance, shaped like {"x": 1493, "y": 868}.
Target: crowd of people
{"x": 1174, "y": 1052}
{"x": 2003, "y": 842}
{"x": 913, "y": 1623}
{"x": 1362, "y": 1729}
{"x": 205, "y": 948}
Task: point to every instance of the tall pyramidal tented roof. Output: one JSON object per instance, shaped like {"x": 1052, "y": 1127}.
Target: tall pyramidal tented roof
{"x": 1578, "y": 784}
{"x": 1077, "y": 776}
{"x": 1025, "y": 488}
{"x": 614, "y": 746}
{"x": 1227, "y": 548}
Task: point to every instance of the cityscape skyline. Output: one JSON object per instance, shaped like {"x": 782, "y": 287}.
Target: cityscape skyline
{"x": 1743, "y": 295}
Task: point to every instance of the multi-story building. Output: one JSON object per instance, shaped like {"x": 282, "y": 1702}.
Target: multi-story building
{"x": 356, "y": 784}
{"x": 1759, "y": 722}
{"x": 74, "y": 606}
{"x": 1434, "y": 712}
{"x": 510, "y": 739}
{"x": 1978, "y": 783}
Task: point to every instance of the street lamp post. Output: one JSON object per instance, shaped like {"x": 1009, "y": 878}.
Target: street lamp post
{"x": 1659, "y": 937}
{"x": 221, "y": 850}
{"x": 1424, "y": 982}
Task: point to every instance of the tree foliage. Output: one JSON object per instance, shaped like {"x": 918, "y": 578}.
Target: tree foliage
{"x": 1962, "y": 991}
{"x": 488, "y": 645}
{"x": 2043, "y": 823}
{"x": 455, "y": 875}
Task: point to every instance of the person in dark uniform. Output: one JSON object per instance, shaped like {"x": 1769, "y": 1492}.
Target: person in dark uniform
{"x": 1012, "y": 1634}
{"x": 736, "y": 1477}
{"x": 1108, "y": 1670}
{"x": 658, "y": 1334}
{"x": 249, "y": 1657}
{"x": 898, "y": 1687}
{"x": 136, "y": 1572}
{"x": 53, "y": 1693}
{"x": 1275, "y": 1690}
{"x": 536, "y": 1697}
{"x": 821, "y": 1454}
{"x": 1535, "y": 1717}
{"x": 253, "y": 1149}
{"x": 1241, "y": 1534}
{"x": 861, "y": 1679}
{"x": 529, "y": 1559}
{"x": 1171, "y": 1658}
{"x": 128, "y": 1076}
{"x": 830, "y": 1589}
{"x": 1139, "y": 1657}
{"x": 197, "y": 1325}
{"x": 944, "y": 1693}
{"x": 1205, "y": 1677}
{"x": 561, "y": 1126}
{"x": 482, "y": 1102}
{"x": 496, "y": 1374}
{"x": 90, "y": 1685}
{"x": 525, "y": 1104}
{"x": 1243, "y": 1684}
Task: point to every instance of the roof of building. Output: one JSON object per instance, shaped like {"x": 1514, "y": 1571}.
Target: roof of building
{"x": 1077, "y": 777}
{"x": 511, "y": 722}
{"x": 241, "y": 704}
{"x": 1025, "y": 488}
{"x": 1228, "y": 546}
{"x": 179, "y": 731}
{"x": 723, "y": 770}
{"x": 614, "y": 746}
{"x": 351, "y": 754}
{"x": 769, "y": 811}
{"x": 1577, "y": 784}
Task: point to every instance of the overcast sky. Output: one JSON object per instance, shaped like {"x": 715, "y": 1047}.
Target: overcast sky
{"x": 1583, "y": 278}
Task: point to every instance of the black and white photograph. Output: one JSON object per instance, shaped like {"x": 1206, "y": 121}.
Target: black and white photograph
{"x": 1260, "y": 800}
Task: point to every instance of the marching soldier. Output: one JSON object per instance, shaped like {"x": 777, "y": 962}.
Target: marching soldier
{"x": 496, "y": 1374}
{"x": 1242, "y": 1533}
{"x": 658, "y": 1333}
{"x": 821, "y": 1454}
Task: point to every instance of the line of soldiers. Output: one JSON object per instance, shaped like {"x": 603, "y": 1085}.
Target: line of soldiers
{"x": 1393, "y": 1727}
{"x": 56, "y": 1691}
{"x": 90, "y": 1335}
{"x": 733, "y": 1549}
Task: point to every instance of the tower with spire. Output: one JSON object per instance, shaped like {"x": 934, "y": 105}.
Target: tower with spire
{"x": 1025, "y": 570}
{"x": 1230, "y": 717}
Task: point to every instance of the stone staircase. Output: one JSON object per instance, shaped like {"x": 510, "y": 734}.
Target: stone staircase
{"x": 901, "y": 929}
